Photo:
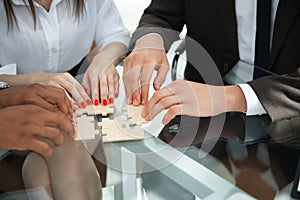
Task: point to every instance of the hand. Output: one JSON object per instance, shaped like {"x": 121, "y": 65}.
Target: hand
{"x": 65, "y": 81}
{"x": 102, "y": 76}
{"x": 148, "y": 55}
{"x": 21, "y": 127}
{"x": 194, "y": 99}
{"x": 47, "y": 97}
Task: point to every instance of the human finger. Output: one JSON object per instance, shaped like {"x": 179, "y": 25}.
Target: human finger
{"x": 163, "y": 104}
{"x": 59, "y": 97}
{"x": 117, "y": 86}
{"x": 50, "y": 133}
{"x": 40, "y": 147}
{"x": 161, "y": 75}
{"x": 131, "y": 78}
{"x": 111, "y": 89}
{"x": 86, "y": 83}
{"x": 103, "y": 90}
{"x": 59, "y": 119}
{"x": 145, "y": 78}
{"x": 157, "y": 96}
{"x": 172, "y": 113}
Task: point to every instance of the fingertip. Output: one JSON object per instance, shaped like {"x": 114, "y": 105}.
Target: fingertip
{"x": 96, "y": 102}
{"x": 129, "y": 100}
{"x": 156, "y": 86}
{"x": 89, "y": 102}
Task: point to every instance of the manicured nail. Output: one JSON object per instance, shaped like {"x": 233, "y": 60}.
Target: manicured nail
{"x": 89, "y": 102}
{"x": 116, "y": 95}
{"x": 111, "y": 100}
{"x": 82, "y": 104}
{"x": 96, "y": 102}
{"x": 104, "y": 102}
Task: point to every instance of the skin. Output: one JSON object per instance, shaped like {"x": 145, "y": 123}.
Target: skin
{"x": 101, "y": 78}
{"x": 47, "y": 97}
{"x": 180, "y": 97}
{"x": 147, "y": 56}
{"x": 23, "y": 126}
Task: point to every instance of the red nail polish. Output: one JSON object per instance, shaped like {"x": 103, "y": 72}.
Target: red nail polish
{"x": 96, "y": 102}
{"x": 104, "y": 102}
{"x": 82, "y": 104}
{"x": 116, "y": 95}
{"x": 89, "y": 102}
{"x": 111, "y": 100}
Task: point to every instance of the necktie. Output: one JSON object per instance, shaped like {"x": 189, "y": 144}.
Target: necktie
{"x": 262, "y": 43}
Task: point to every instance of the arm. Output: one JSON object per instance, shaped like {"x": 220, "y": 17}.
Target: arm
{"x": 112, "y": 38}
{"x": 166, "y": 19}
{"x": 101, "y": 78}
{"x": 279, "y": 95}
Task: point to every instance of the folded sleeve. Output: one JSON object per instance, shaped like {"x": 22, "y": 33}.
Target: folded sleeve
{"x": 279, "y": 95}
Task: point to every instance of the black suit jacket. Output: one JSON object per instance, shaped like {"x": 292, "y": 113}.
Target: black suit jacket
{"x": 213, "y": 25}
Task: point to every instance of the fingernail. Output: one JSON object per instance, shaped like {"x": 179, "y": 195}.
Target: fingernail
{"x": 104, "y": 102}
{"x": 82, "y": 104}
{"x": 116, "y": 95}
{"x": 135, "y": 102}
{"x": 89, "y": 102}
{"x": 111, "y": 100}
{"x": 148, "y": 118}
{"x": 96, "y": 102}
{"x": 157, "y": 85}
{"x": 129, "y": 100}
{"x": 143, "y": 101}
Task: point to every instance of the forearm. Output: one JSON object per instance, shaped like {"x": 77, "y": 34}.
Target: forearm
{"x": 18, "y": 80}
{"x": 112, "y": 53}
{"x": 235, "y": 99}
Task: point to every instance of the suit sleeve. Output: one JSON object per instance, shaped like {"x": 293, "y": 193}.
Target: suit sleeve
{"x": 279, "y": 95}
{"x": 164, "y": 17}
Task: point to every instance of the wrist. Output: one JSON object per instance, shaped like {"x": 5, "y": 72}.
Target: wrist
{"x": 235, "y": 99}
{"x": 151, "y": 40}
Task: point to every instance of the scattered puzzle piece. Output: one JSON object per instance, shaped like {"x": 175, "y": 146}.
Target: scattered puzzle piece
{"x": 86, "y": 128}
{"x": 134, "y": 115}
{"x": 114, "y": 131}
{"x": 95, "y": 110}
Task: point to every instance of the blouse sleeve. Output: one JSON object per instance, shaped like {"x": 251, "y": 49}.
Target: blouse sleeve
{"x": 110, "y": 27}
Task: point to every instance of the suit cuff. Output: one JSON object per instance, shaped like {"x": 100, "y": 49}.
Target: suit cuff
{"x": 254, "y": 106}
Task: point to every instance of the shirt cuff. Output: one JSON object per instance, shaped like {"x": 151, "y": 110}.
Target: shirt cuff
{"x": 10, "y": 69}
{"x": 254, "y": 106}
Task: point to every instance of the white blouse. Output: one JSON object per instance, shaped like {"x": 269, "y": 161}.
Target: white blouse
{"x": 59, "y": 41}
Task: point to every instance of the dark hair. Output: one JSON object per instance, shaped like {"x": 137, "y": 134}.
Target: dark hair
{"x": 11, "y": 17}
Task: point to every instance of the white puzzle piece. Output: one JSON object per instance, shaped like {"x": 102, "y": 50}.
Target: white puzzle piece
{"x": 135, "y": 115}
{"x": 86, "y": 128}
{"x": 117, "y": 130}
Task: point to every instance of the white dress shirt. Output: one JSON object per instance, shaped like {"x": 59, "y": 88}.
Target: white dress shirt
{"x": 246, "y": 11}
{"x": 59, "y": 41}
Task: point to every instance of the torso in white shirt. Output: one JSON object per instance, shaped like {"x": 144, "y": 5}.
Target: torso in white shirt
{"x": 59, "y": 41}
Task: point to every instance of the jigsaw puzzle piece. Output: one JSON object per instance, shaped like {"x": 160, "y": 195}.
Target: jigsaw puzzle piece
{"x": 114, "y": 131}
{"x": 135, "y": 115}
{"x": 86, "y": 128}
